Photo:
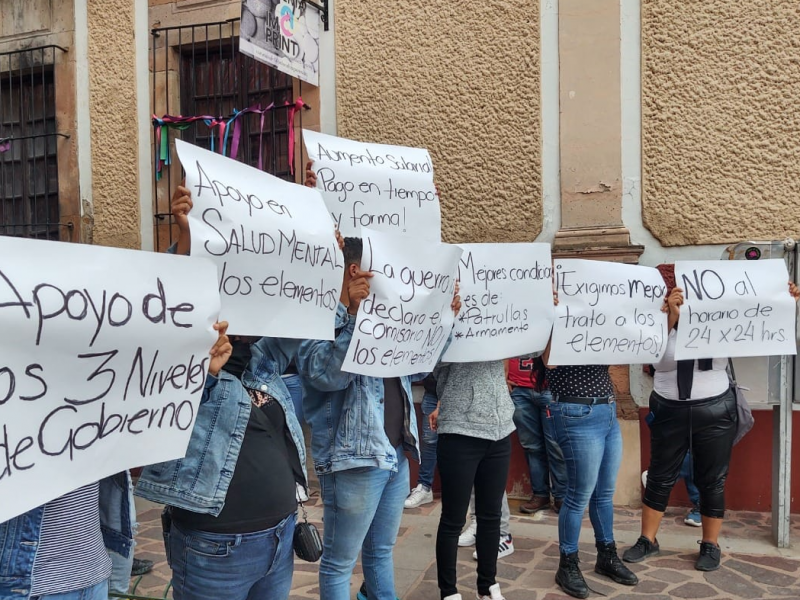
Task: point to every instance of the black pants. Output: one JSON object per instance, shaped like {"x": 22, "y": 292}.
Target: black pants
{"x": 706, "y": 426}
{"x": 465, "y": 462}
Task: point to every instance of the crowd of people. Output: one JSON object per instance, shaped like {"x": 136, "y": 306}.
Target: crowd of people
{"x": 232, "y": 503}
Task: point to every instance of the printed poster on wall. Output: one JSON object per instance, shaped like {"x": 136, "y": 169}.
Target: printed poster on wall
{"x": 279, "y": 265}
{"x": 608, "y": 314}
{"x": 735, "y": 308}
{"x": 380, "y": 187}
{"x": 507, "y": 302}
{"x": 283, "y": 34}
{"x": 103, "y": 361}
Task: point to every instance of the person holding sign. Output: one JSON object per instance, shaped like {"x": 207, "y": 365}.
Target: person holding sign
{"x": 694, "y": 408}
{"x": 583, "y": 416}
{"x": 232, "y": 501}
{"x": 474, "y": 423}
{"x": 361, "y": 427}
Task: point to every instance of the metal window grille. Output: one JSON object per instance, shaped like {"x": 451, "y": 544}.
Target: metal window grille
{"x": 28, "y": 165}
{"x": 213, "y": 78}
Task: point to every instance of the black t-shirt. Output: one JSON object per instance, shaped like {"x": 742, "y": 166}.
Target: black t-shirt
{"x": 394, "y": 410}
{"x": 580, "y": 381}
{"x": 429, "y": 383}
{"x": 262, "y": 492}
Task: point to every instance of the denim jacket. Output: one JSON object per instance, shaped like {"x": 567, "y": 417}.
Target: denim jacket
{"x": 19, "y": 537}
{"x": 345, "y": 410}
{"x": 199, "y": 481}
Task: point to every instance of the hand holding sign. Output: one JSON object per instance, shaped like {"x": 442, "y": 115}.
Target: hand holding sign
{"x": 358, "y": 289}
{"x": 221, "y": 351}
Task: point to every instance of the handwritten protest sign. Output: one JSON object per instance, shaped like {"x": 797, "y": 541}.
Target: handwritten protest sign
{"x": 280, "y": 268}
{"x": 403, "y": 325}
{"x": 385, "y": 188}
{"x": 735, "y": 308}
{"x": 507, "y": 298}
{"x": 103, "y": 360}
{"x": 283, "y": 34}
{"x": 608, "y": 314}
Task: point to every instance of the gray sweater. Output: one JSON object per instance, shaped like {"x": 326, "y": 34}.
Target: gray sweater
{"x": 474, "y": 400}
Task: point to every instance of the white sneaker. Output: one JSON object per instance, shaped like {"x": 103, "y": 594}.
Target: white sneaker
{"x": 468, "y": 537}
{"x": 644, "y": 479}
{"x": 506, "y": 548}
{"x": 454, "y": 597}
{"x": 419, "y": 495}
{"x": 494, "y": 593}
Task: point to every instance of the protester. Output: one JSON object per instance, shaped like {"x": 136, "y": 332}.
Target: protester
{"x": 232, "y": 501}
{"x": 468, "y": 536}
{"x": 423, "y": 492}
{"x": 474, "y": 422}
{"x": 584, "y": 419}
{"x": 360, "y": 429}
{"x": 60, "y": 551}
{"x": 532, "y": 399}
{"x": 695, "y": 409}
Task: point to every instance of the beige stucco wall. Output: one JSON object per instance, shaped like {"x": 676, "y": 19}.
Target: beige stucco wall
{"x": 720, "y": 93}
{"x": 461, "y": 79}
{"x": 112, "y": 100}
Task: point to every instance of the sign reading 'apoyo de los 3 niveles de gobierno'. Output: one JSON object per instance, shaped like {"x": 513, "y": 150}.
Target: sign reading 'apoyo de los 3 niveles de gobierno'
{"x": 735, "y": 308}
{"x": 608, "y": 314}
{"x": 507, "y": 302}
{"x": 377, "y": 186}
{"x": 103, "y": 360}
{"x": 280, "y": 267}
{"x": 403, "y": 325}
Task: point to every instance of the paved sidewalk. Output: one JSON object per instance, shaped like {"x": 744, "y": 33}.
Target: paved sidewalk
{"x": 752, "y": 567}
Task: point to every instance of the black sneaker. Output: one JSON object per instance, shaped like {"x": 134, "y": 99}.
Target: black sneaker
{"x": 710, "y": 555}
{"x": 641, "y": 550}
{"x": 569, "y": 576}
{"x": 609, "y": 564}
{"x": 141, "y": 566}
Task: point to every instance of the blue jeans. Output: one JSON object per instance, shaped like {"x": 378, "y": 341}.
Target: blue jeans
{"x": 544, "y": 456}
{"x": 296, "y": 392}
{"x": 96, "y": 592}
{"x": 590, "y": 439}
{"x": 429, "y": 438}
{"x": 688, "y": 479}
{"x": 250, "y": 566}
{"x": 362, "y": 512}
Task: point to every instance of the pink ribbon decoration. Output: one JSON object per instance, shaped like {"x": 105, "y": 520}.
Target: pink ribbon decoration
{"x": 5, "y": 145}
{"x": 298, "y": 105}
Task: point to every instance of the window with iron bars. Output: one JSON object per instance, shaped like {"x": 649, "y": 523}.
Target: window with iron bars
{"x": 214, "y": 79}
{"x": 28, "y": 161}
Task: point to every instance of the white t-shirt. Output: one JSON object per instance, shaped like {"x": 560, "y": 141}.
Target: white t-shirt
{"x": 706, "y": 384}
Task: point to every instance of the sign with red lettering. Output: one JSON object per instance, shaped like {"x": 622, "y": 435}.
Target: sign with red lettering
{"x": 103, "y": 362}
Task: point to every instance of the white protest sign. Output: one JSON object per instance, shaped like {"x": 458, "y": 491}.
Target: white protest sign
{"x": 507, "y": 302}
{"x": 283, "y": 34}
{"x": 403, "y": 325}
{"x": 103, "y": 362}
{"x": 608, "y": 314}
{"x": 280, "y": 268}
{"x": 735, "y": 308}
{"x": 385, "y": 188}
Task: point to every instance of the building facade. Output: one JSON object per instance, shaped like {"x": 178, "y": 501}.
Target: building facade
{"x": 642, "y": 131}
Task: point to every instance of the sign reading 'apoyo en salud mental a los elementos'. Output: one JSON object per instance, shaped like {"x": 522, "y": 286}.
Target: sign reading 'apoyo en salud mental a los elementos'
{"x": 103, "y": 361}
{"x": 608, "y": 314}
{"x": 280, "y": 267}
{"x": 384, "y": 188}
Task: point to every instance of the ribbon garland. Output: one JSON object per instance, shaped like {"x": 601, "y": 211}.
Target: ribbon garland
{"x": 223, "y": 126}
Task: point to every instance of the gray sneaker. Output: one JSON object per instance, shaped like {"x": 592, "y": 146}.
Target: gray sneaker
{"x": 641, "y": 550}
{"x": 710, "y": 555}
